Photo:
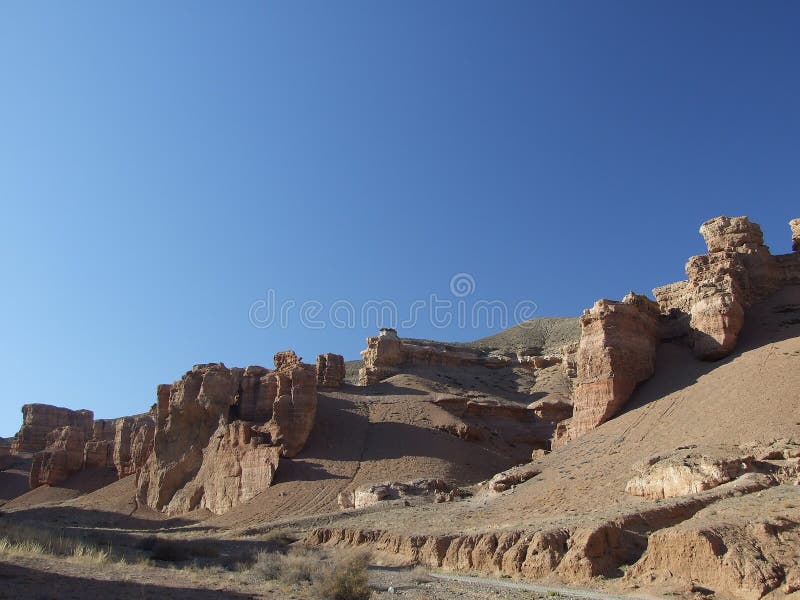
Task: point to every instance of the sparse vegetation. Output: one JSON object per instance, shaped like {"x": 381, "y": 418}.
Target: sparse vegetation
{"x": 345, "y": 580}
{"x": 23, "y": 540}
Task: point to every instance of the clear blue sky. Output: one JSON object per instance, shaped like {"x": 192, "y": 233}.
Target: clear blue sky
{"x": 163, "y": 165}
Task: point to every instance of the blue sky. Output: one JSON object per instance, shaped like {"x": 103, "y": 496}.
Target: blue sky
{"x": 164, "y": 165}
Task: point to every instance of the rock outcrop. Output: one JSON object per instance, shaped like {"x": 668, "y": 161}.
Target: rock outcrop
{"x": 617, "y": 351}
{"x": 188, "y": 413}
{"x": 512, "y": 477}
{"x": 212, "y": 447}
{"x": 386, "y": 354}
{"x": 295, "y": 405}
{"x": 63, "y": 456}
{"x": 435, "y": 490}
{"x": 236, "y": 467}
{"x": 738, "y": 271}
{"x": 685, "y": 472}
{"x": 795, "y": 225}
{"x": 330, "y": 371}
{"x": 39, "y": 420}
{"x": 133, "y": 443}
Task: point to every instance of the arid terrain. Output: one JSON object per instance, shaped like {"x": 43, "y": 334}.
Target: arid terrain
{"x": 647, "y": 448}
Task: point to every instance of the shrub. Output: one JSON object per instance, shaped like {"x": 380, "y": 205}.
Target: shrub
{"x": 297, "y": 568}
{"x": 267, "y": 565}
{"x": 347, "y": 580}
{"x": 167, "y": 551}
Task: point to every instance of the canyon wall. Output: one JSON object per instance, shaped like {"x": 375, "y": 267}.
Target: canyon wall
{"x": 219, "y": 433}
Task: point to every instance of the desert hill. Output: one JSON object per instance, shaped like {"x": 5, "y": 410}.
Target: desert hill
{"x": 648, "y": 446}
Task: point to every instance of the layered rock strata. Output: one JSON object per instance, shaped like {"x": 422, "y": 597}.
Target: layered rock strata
{"x": 38, "y": 420}
{"x": 386, "y": 354}
{"x": 219, "y": 433}
{"x": 330, "y": 371}
{"x": 616, "y": 352}
{"x": 708, "y": 308}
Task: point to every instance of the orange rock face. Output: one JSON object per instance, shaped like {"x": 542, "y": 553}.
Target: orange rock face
{"x": 63, "y": 456}
{"x": 386, "y": 353}
{"x": 236, "y": 467}
{"x": 330, "y": 371}
{"x": 738, "y": 271}
{"x": 38, "y": 420}
{"x": 219, "y": 432}
{"x": 133, "y": 443}
{"x": 617, "y": 352}
{"x": 295, "y": 406}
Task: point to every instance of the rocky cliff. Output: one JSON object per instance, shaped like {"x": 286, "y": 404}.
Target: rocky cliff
{"x": 330, "y": 371}
{"x": 616, "y": 352}
{"x": 38, "y": 420}
{"x": 219, "y": 432}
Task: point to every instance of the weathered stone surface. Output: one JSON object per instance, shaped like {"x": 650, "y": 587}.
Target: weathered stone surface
{"x": 295, "y": 406}
{"x": 195, "y": 407}
{"x": 98, "y": 454}
{"x": 133, "y": 443}
{"x": 256, "y": 394}
{"x": 204, "y": 454}
{"x": 795, "y": 225}
{"x": 738, "y": 271}
{"x": 512, "y": 477}
{"x": 7, "y": 459}
{"x": 435, "y": 490}
{"x": 386, "y": 353}
{"x": 38, "y": 420}
{"x": 617, "y": 351}
{"x": 63, "y": 456}
{"x": 330, "y": 370}
{"x": 236, "y": 467}
{"x": 732, "y": 234}
{"x": 687, "y": 471}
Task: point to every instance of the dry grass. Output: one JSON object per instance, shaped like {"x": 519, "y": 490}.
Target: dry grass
{"x": 21, "y": 540}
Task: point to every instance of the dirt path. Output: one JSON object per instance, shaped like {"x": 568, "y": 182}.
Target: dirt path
{"x": 540, "y": 589}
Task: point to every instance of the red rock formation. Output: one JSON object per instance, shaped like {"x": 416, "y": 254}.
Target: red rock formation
{"x": 204, "y": 454}
{"x": 236, "y": 467}
{"x": 186, "y": 418}
{"x": 133, "y": 443}
{"x": 63, "y": 456}
{"x": 330, "y": 371}
{"x": 738, "y": 271}
{"x": 295, "y": 405}
{"x": 38, "y": 420}
{"x": 617, "y": 352}
{"x": 386, "y": 353}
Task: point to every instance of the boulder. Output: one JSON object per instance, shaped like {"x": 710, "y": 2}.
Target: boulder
{"x": 39, "y": 420}
{"x": 686, "y": 471}
{"x": 617, "y": 351}
{"x": 512, "y": 477}
{"x": 425, "y": 490}
{"x": 330, "y": 370}
{"x": 62, "y": 456}
{"x": 795, "y": 225}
